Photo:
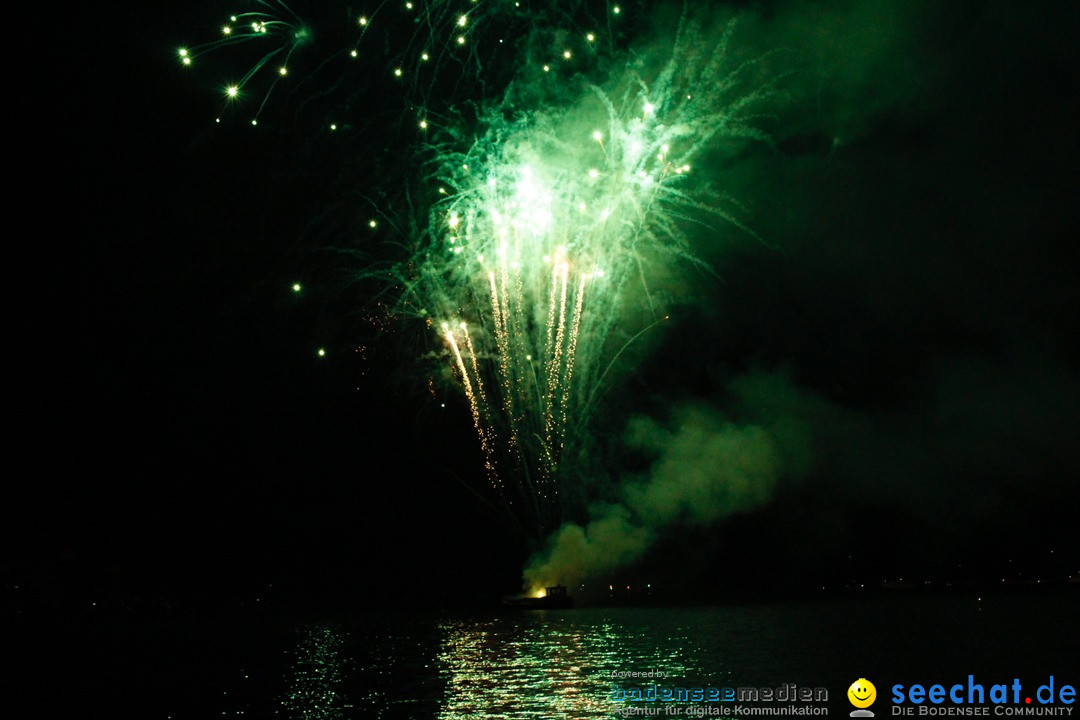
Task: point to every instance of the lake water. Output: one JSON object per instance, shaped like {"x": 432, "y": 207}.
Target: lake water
{"x": 548, "y": 664}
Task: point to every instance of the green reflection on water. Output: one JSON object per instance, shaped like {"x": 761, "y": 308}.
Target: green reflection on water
{"x": 544, "y": 665}
{"x": 315, "y": 675}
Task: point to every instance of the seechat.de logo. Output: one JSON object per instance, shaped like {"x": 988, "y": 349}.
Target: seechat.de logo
{"x": 862, "y": 694}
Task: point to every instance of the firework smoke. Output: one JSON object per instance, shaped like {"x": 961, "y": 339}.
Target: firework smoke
{"x": 706, "y": 467}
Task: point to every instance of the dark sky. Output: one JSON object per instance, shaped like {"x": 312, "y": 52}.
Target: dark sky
{"x": 914, "y": 321}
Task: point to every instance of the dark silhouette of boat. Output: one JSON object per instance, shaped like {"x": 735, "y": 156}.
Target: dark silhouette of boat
{"x": 554, "y": 598}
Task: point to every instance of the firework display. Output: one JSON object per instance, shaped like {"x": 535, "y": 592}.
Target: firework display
{"x": 560, "y": 162}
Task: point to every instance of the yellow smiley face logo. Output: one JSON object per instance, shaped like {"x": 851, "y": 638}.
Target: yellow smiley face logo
{"x": 862, "y": 693}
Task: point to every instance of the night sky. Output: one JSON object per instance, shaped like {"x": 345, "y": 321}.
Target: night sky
{"x": 906, "y": 328}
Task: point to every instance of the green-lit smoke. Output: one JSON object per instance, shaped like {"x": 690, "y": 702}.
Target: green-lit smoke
{"x": 705, "y": 465}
